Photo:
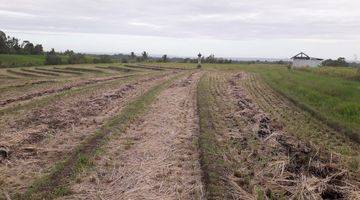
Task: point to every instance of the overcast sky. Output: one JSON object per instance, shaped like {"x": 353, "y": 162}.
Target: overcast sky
{"x": 227, "y": 28}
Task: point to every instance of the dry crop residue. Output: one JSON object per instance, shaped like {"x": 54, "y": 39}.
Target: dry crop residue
{"x": 46, "y": 135}
{"x": 276, "y": 164}
{"x": 157, "y": 156}
{"x": 56, "y": 90}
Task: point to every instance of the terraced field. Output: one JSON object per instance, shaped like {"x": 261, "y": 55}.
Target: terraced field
{"x": 164, "y": 131}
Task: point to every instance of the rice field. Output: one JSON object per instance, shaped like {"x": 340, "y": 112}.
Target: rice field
{"x": 171, "y": 131}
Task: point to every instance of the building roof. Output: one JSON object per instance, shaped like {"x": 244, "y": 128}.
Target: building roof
{"x": 303, "y": 56}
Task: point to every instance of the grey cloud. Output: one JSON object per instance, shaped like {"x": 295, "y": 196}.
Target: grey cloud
{"x": 222, "y": 19}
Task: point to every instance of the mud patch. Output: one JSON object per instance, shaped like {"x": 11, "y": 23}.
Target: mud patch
{"x": 4, "y": 153}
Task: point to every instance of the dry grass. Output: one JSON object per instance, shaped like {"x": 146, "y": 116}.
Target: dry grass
{"x": 253, "y": 156}
{"x": 156, "y": 158}
{"x": 37, "y": 141}
{"x": 253, "y": 142}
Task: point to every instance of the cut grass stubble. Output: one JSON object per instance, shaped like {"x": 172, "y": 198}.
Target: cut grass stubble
{"x": 56, "y": 183}
{"x": 209, "y": 149}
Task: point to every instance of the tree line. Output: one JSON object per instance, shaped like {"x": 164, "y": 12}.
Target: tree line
{"x": 12, "y": 45}
{"x": 340, "y": 62}
{"x": 145, "y": 57}
{"x": 70, "y": 57}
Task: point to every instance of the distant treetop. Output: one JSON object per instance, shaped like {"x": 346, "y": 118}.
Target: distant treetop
{"x": 11, "y": 45}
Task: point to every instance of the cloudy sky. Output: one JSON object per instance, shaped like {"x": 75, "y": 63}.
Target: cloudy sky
{"x": 227, "y": 28}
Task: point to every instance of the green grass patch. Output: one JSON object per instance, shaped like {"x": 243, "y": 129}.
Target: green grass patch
{"x": 332, "y": 98}
{"x": 342, "y": 72}
{"x": 13, "y": 60}
{"x": 9, "y": 60}
{"x": 211, "y": 153}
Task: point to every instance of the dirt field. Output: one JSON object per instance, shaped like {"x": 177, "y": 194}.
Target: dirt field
{"x": 164, "y": 132}
{"x": 156, "y": 157}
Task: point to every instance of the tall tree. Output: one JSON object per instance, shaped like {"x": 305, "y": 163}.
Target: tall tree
{"x": 52, "y": 59}
{"x": 132, "y": 56}
{"x": 3, "y": 46}
{"x": 145, "y": 55}
{"x": 164, "y": 58}
{"x": 38, "y": 49}
{"x": 29, "y": 48}
{"x": 69, "y": 52}
{"x": 13, "y": 45}
{"x": 52, "y": 52}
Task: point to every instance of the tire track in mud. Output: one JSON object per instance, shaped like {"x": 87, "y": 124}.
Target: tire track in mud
{"x": 57, "y": 90}
{"x": 156, "y": 157}
{"x": 38, "y": 141}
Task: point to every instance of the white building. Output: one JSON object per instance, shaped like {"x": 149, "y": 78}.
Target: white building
{"x": 303, "y": 60}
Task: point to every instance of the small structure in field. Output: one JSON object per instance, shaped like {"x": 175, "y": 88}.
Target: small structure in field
{"x": 199, "y": 60}
{"x": 302, "y": 60}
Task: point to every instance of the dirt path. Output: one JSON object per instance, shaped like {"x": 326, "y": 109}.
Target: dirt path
{"x": 156, "y": 158}
{"x": 48, "y": 134}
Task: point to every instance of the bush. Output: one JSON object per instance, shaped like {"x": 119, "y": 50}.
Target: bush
{"x": 76, "y": 59}
{"x": 340, "y": 62}
{"x": 124, "y": 60}
{"x": 103, "y": 59}
{"x": 51, "y": 59}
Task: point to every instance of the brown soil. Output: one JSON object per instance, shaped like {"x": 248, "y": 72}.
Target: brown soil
{"x": 45, "y": 136}
{"x": 56, "y": 90}
{"x": 156, "y": 158}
